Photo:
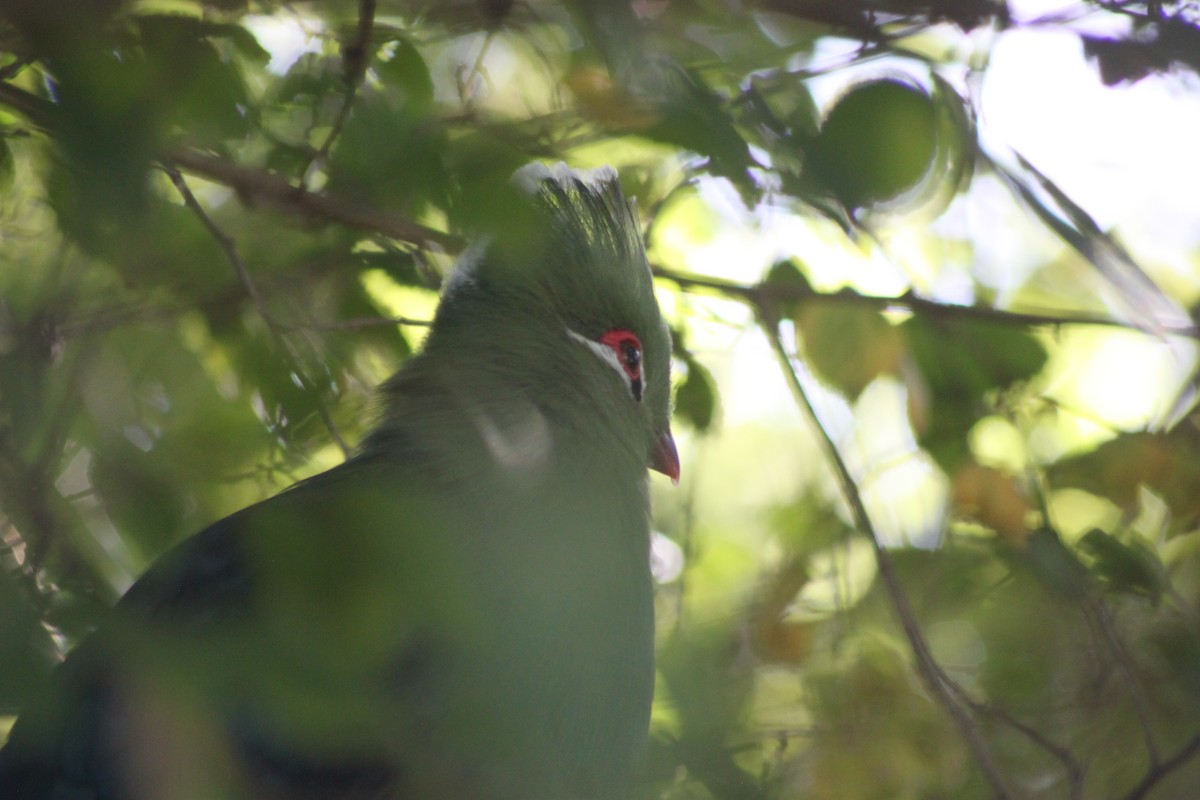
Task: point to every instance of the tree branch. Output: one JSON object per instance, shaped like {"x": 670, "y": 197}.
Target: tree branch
{"x": 1068, "y": 760}
{"x": 256, "y": 185}
{"x": 229, "y": 247}
{"x": 774, "y": 293}
{"x": 356, "y": 56}
{"x": 1158, "y": 772}
{"x": 936, "y": 681}
{"x": 263, "y": 187}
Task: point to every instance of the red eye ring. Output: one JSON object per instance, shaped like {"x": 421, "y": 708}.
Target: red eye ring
{"x": 628, "y": 348}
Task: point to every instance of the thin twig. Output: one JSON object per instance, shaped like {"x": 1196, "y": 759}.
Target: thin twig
{"x": 775, "y": 293}
{"x": 356, "y": 56}
{"x": 264, "y": 187}
{"x": 1137, "y": 692}
{"x": 229, "y": 247}
{"x": 358, "y": 323}
{"x": 1073, "y": 769}
{"x": 1160, "y": 771}
{"x": 931, "y": 674}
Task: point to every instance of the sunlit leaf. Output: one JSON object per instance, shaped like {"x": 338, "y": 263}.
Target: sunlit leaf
{"x": 848, "y": 347}
{"x": 1117, "y": 468}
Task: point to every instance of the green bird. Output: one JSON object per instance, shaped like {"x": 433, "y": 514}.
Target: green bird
{"x": 463, "y": 609}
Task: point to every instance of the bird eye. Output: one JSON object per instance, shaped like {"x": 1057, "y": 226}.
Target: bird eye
{"x": 622, "y": 350}
{"x": 631, "y": 356}
{"x": 628, "y": 351}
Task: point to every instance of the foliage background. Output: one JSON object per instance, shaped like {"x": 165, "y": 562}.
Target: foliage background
{"x": 948, "y": 570}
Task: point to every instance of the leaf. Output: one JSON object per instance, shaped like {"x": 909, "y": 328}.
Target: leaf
{"x": 790, "y": 281}
{"x": 27, "y": 652}
{"x": 848, "y": 347}
{"x": 141, "y": 495}
{"x": 7, "y": 165}
{"x": 877, "y": 142}
{"x": 693, "y": 117}
{"x": 391, "y": 155}
{"x": 1117, "y": 468}
{"x": 188, "y": 81}
{"x": 696, "y": 397}
{"x": 1055, "y": 566}
{"x": 777, "y": 639}
{"x": 958, "y": 363}
{"x": 405, "y": 69}
{"x": 993, "y": 498}
{"x": 1133, "y": 568}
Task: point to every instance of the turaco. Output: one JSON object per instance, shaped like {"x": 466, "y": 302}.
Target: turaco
{"x": 462, "y": 610}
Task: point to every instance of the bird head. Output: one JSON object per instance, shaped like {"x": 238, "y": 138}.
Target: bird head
{"x": 566, "y": 278}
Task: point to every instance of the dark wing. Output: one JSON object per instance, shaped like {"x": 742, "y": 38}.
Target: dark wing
{"x": 222, "y": 642}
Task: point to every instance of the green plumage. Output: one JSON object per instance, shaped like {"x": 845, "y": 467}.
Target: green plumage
{"x": 464, "y": 609}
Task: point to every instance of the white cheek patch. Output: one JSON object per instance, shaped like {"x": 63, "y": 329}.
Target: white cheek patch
{"x": 607, "y": 355}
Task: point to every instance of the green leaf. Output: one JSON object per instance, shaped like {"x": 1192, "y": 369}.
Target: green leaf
{"x": 141, "y": 495}
{"x": 787, "y": 277}
{"x": 848, "y": 347}
{"x": 877, "y": 142}
{"x": 1116, "y": 470}
{"x": 959, "y": 363}
{"x": 1126, "y": 567}
{"x": 696, "y": 397}
{"x": 693, "y": 117}
{"x": 26, "y": 650}
{"x": 192, "y": 86}
{"x": 390, "y": 155}
{"x": 405, "y": 69}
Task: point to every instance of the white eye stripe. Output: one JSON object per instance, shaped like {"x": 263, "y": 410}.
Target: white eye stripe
{"x": 607, "y": 355}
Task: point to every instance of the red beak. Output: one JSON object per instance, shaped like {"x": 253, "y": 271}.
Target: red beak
{"x": 664, "y": 457}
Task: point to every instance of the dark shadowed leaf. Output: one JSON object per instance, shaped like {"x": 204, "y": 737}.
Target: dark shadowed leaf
{"x": 696, "y": 397}
{"x": 1124, "y": 566}
{"x": 876, "y": 143}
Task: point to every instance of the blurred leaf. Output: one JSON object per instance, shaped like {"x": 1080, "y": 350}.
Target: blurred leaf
{"x": 1055, "y": 566}
{"x": 26, "y": 650}
{"x": 848, "y": 347}
{"x": 194, "y": 87}
{"x": 1131, "y": 567}
{"x": 867, "y": 710}
{"x": 141, "y": 498}
{"x": 876, "y": 143}
{"x": 709, "y": 690}
{"x": 786, "y": 275}
{"x": 1155, "y": 46}
{"x": 311, "y": 77}
{"x": 958, "y": 363}
{"x": 390, "y": 155}
{"x": 992, "y": 498}
{"x": 777, "y": 639}
{"x": 485, "y": 199}
{"x": 693, "y": 117}
{"x": 696, "y": 397}
{"x": 406, "y": 70}
{"x": 601, "y": 99}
